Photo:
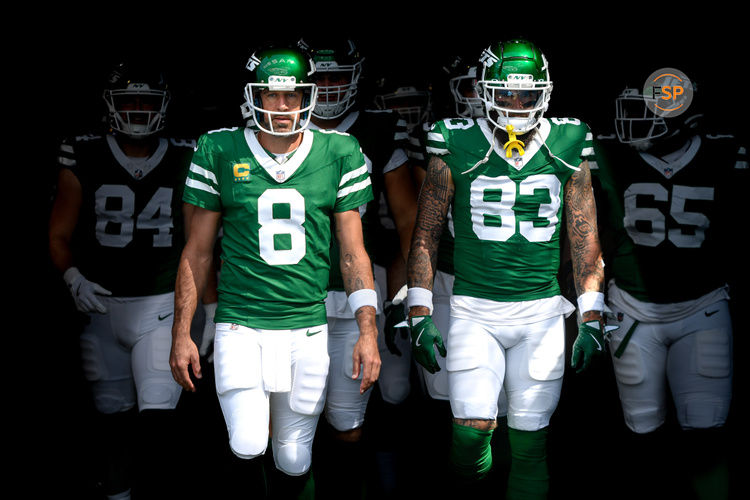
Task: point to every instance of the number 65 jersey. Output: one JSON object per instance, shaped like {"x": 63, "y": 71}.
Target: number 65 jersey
{"x": 277, "y": 218}
{"x": 507, "y": 211}
{"x": 673, "y": 221}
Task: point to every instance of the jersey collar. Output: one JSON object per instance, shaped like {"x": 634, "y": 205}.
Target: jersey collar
{"x": 280, "y": 172}
{"x": 530, "y": 148}
{"x": 138, "y": 168}
{"x": 670, "y": 164}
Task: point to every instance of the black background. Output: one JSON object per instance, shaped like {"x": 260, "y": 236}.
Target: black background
{"x": 56, "y": 63}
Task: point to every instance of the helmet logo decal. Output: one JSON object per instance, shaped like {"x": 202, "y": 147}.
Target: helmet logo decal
{"x": 252, "y": 63}
{"x": 488, "y": 58}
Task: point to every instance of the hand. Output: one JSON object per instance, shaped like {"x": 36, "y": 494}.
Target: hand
{"x": 209, "y": 332}
{"x": 184, "y": 354}
{"x": 395, "y": 314}
{"x": 85, "y": 292}
{"x": 425, "y": 335}
{"x": 367, "y": 358}
{"x": 589, "y": 344}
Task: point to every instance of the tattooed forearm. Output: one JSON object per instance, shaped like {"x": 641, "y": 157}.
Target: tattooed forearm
{"x": 585, "y": 250}
{"x": 434, "y": 199}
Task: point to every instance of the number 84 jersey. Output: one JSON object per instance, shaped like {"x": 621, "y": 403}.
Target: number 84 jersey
{"x": 507, "y": 211}
{"x": 130, "y": 229}
{"x": 671, "y": 219}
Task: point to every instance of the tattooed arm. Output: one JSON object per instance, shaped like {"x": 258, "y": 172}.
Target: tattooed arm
{"x": 356, "y": 270}
{"x": 585, "y": 251}
{"x": 435, "y": 198}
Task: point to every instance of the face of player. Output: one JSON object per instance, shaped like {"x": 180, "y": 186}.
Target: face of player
{"x": 521, "y": 100}
{"x": 282, "y": 102}
{"x": 135, "y": 109}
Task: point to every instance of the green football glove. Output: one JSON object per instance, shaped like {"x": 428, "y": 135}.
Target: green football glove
{"x": 589, "y": 344}
{"x": 425, "y": 335}
{"x": 394, "y": 314}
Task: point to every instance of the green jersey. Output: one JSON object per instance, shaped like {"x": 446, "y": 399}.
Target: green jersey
{"x": 276, "y": 220}
{"x": 507, "y": 211}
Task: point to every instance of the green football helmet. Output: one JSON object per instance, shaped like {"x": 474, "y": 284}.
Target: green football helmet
{"x": 338, "y": 66}
{"x": 280, "y": 69}
{"x": 514, "y": 84}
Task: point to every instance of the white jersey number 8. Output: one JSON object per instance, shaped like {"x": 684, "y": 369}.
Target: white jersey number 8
{"x": 287, "y": 228}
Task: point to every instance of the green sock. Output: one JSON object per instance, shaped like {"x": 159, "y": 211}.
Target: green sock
{"x": 471, "y": 454}
{"x": 529, "y": 476}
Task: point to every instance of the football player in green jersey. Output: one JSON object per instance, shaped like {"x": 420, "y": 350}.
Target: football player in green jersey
{"x": 338, "y": 68}
{"x": 115, "y": 234}
{"x": 507, "y": 178}
{"x": 275, "y": 190}
{"x": 672, "y": 186}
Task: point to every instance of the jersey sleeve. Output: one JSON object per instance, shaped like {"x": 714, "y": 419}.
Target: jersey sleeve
{"x": 202, "y": 184}
{"x": 435, "y": 140}
{"x": 355, "y": 185}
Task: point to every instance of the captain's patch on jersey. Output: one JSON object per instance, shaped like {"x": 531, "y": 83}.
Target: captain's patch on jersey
{"x": 241, "y": 172}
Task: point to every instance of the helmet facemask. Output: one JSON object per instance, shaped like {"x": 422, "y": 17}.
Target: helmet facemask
{"x": 412, "y": 105}
{"x": 280, "y": 71}
{"x": 515, "y": 86}
{"x": 465, "y": 94}
{"x": 335, "y": 100}
{"x": 635, "y": 123}
{"x": 137, "y": 110}
{"x": 264, "y": 118}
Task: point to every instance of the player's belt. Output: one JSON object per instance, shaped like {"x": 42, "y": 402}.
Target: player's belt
{"x": 625, "y": 340}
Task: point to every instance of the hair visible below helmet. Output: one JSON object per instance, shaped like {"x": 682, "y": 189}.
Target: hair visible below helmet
{"x": 279, "y": 69}
{"x": 136, "y": 96}
{"x": 336, "y": 56}
{"x": 515, "y": 69}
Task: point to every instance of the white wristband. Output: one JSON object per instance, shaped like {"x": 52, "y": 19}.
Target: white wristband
{"x": 363, "y": 297}
{"x": 419, "y": 297}
{"x": 590, "y": 301}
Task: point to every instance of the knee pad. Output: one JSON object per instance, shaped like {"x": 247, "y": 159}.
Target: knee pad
{"x": 471, "y": 454}
{"x": 247, "y": 444}
{"x": 159, "y": 394}
{"x": 643, "y": 417}
{"x": 292, "y": 458}
{"x": 394, "y": 385}
{"x": 114, "y": 396}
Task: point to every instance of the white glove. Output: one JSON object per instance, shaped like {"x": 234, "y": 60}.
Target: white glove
{"x": 209, "y": 330}
{"x": 85, "y": 292}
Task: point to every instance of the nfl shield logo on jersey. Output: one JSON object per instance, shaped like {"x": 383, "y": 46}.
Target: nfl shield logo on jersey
{"x": 280, "y": 175}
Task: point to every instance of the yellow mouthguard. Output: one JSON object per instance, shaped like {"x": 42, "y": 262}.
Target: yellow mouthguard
{"x": 512, "y": 143}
